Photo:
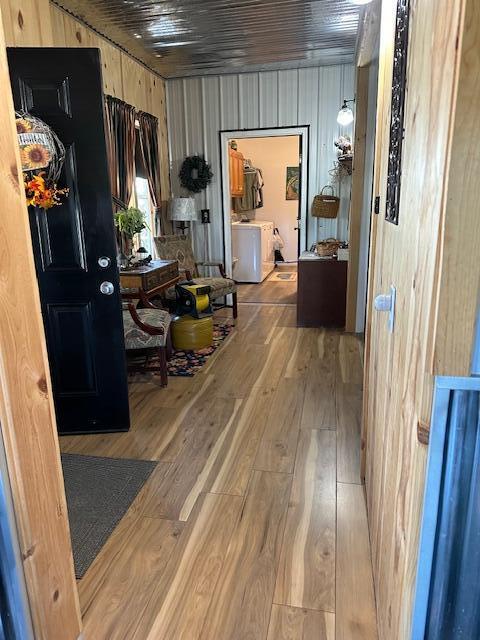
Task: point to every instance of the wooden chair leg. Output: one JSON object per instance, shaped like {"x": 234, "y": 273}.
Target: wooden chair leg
{"x": 162, "y": 355}
{"x": 235, "y": 305}
{"x": 169, "y": 347}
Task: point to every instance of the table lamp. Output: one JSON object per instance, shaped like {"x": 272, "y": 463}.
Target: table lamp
{"x": 182, "y": 210}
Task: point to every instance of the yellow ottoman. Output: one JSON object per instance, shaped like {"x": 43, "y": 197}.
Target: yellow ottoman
{"x": 192, "y": 334}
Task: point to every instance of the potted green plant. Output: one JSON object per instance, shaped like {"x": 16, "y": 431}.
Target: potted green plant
{"x": 129, "y": 222}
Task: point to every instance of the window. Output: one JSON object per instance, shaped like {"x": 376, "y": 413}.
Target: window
{"x": 144, "y": 203}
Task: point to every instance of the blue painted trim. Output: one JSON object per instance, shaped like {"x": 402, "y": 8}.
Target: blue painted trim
{"x": 431, "y": 500}
{"x": 17, "y": 623}
{"x": 451, "y": 383}
{"x": 476, "y": 348}
{"x": 445, "y": 387}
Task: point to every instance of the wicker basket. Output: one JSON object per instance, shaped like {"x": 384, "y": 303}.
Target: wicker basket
{"x": 325, "y": 205}
{"x": 327, "y": 248}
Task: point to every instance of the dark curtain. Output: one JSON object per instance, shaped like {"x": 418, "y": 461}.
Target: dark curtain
{"x": 150, "y": 159}
{"x": 120, "y": 133}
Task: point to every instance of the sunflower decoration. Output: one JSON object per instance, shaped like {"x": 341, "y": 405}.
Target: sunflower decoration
{"x": 35, "y": 156}
{"x": 42, "y": 156}
{"x": 23, "y": 125}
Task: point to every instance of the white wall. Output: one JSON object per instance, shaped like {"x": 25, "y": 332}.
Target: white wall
{"x": 273, "y": 156}
{"x": 198, "y": 108}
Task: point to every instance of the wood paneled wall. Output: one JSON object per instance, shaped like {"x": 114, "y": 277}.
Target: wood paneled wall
{"x": 38, "y": 23}
{"x": 27, "y": 415}
{"x": 26, "y": 411}
{"x": 437, "y": 280}
{"x": 459, "y": 274}
{"x": 27, "y": 23}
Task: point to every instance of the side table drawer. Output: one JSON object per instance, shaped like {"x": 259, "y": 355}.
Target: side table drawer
{"x": 160, "y": 276}
{"x": 152, "y": 280}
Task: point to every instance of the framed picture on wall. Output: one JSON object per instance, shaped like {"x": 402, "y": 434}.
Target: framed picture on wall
{"x": 293, "y": 177}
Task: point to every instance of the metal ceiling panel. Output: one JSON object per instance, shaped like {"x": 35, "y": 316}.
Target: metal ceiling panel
{"x": 196, "y": 37}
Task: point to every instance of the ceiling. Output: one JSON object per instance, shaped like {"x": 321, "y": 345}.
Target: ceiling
{"x": 193, "y": 37}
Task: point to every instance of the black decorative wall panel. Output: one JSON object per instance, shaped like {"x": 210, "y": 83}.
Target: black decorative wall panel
{"x": 398, "y": 112}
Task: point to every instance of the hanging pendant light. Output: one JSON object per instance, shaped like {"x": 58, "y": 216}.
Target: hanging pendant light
{"x": 345, "y": 115}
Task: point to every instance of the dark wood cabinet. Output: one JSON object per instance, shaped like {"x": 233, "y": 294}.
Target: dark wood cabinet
{"x": 322, "y": 292}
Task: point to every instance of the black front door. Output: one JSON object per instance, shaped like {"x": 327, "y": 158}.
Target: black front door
{"x": 74, "y": 244}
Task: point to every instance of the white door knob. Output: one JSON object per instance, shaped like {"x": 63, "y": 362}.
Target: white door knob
{"x": 383, "y": 302}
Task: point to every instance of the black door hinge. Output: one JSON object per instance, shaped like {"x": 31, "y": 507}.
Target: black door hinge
{"x": 376, "y": 207}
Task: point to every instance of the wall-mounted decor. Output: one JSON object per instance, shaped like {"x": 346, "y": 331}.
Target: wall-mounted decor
{"x": 398, "y": 112}
{"x": 195, "y": 174}
{"x": 325, "y": 205}
{"x": 42, "y": 156}
{"x": 343, "y": 145}
{"x": 292, "y": 183}
{"x": 343, "y": 165}
{"x": 342, "y": 169}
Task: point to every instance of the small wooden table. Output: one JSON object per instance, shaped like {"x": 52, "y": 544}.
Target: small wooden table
{"x": 149, "y": 281}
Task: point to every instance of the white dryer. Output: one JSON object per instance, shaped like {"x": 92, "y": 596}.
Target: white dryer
{"x": 252, "y": 245}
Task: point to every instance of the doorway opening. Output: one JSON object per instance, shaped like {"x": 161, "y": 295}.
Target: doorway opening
{"x": 265, "y": 195}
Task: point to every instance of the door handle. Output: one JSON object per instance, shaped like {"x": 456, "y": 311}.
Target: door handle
{"x": 107, "y": 288}
{"x": 386, "y": 302}
{"x": 104, "y": 262}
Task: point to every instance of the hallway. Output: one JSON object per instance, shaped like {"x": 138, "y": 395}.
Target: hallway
{"x": 271, "y": 292}
{"x": 253, "y": 525}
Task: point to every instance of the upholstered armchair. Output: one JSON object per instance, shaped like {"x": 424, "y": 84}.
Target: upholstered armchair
{"x": 146, "y": 333}
{"x": 178, "y": 247}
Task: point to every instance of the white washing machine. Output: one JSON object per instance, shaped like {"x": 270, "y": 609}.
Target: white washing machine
{"x": 252, "y": 246}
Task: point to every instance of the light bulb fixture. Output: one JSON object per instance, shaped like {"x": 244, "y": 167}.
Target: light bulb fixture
{"x": 345, "y": 115}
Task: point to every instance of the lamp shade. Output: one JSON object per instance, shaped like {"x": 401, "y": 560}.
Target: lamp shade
{"x": 182, "y": 209}
{"x": 345, "y": 115}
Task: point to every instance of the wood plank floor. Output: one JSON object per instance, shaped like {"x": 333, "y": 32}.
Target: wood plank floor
{"x": 268, "y": 292}
{"x": 253, "y": 525}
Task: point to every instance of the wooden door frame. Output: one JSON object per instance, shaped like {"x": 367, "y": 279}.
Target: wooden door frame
{"x": 367, "y": 50}
{"x": 357, "y": 194}
{"x": 27, "y": 413}
{"x": 382, "y": 116}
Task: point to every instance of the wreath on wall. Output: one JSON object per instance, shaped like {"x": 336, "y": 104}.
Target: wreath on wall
{"x": 42, "y": 155}
{"x": 195, "y": 174}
